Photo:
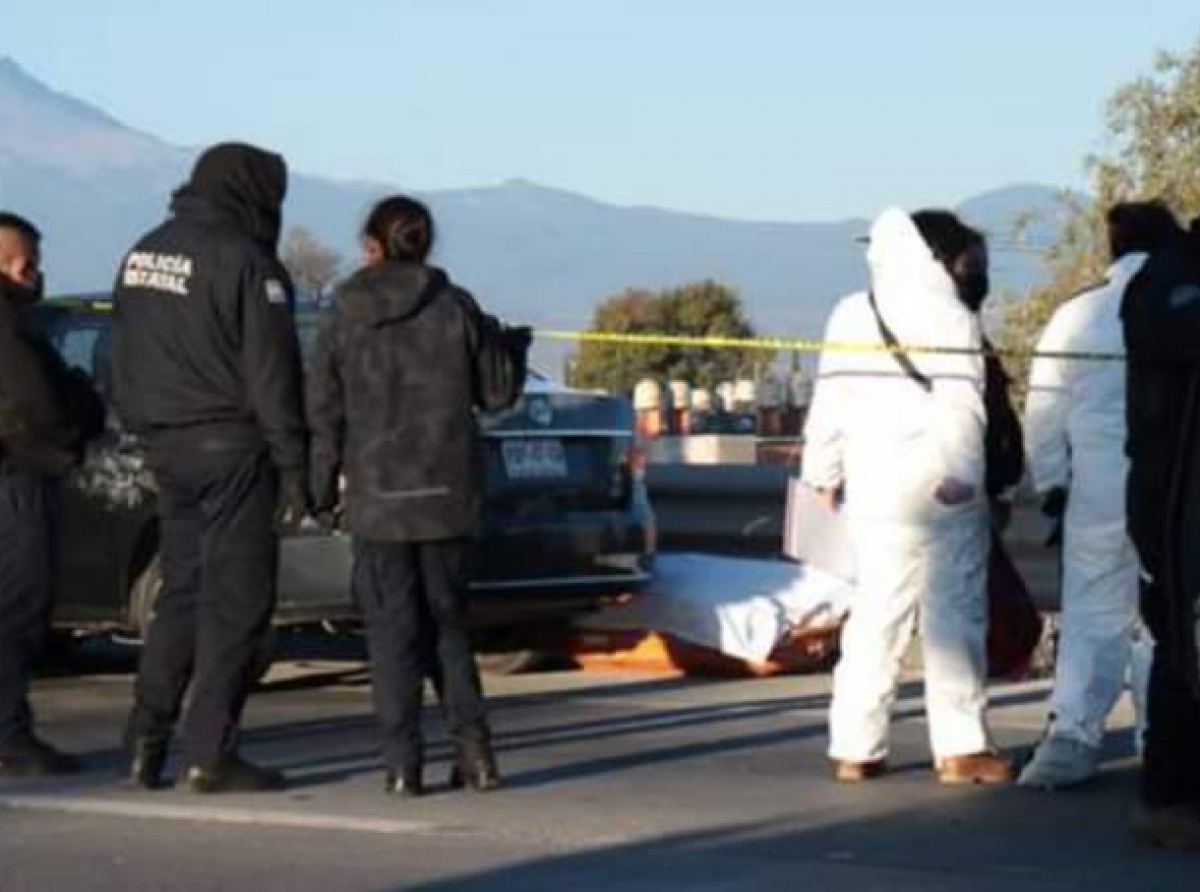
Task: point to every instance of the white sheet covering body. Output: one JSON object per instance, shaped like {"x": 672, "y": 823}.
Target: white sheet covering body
{"x": 1075, "y": 438}
{"x": 738, "y": 606}
{"x": 890, "y": 443}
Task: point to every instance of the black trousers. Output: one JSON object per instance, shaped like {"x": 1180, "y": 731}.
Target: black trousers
{"x": 220, "y": 557}
{"x": 413, "y": 600}
{"x": 1171, "y": 766}
{"x": 28, "y": 528}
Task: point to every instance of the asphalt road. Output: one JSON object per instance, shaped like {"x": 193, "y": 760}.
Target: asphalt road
{"x": 615, "y": 782}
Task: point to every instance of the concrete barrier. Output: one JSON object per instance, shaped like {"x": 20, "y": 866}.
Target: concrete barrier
{"x": 726, "y": 509}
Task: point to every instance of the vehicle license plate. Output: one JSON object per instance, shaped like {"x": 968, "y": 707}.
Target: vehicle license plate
{"x": 534, "y": 459}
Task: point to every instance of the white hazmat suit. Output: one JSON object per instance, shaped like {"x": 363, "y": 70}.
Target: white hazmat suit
{"x": 876, "y": 431}
{"x": 1075, "y": 439}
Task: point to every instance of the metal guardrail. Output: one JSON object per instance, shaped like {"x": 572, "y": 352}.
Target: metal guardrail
{"x": 727, "y": 509}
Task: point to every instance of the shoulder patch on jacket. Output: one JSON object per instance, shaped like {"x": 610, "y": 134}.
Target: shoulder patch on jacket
{"x": 276, "y": 293}
{"x": 1183, "y": 295}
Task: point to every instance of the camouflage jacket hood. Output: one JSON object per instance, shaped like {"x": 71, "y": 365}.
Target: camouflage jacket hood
{"x": 390, "y": 292}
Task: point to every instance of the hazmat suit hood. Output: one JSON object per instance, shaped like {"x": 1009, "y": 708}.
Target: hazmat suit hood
{"x": 913, "y": 290}
{"x": 390, "y": 292}
{"x": 243, "y": 184}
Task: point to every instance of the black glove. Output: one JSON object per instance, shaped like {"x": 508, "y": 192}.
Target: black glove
{"x": 1054, "y": 505}
{"x": 293, "y": 502}
{"x": 1055, "y": 539}
{"x": 518, "y": 337}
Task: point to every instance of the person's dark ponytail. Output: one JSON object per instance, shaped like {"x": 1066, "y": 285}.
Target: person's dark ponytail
{"x": 403, "y": 227}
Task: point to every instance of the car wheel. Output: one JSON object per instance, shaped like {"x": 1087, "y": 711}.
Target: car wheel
{"x": 511, "y": 662}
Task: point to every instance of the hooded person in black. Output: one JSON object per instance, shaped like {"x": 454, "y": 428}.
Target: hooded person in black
{"x": 400, "y": 369}
{"x": 1161, "y": 316}
{"x": 47, "y": 413}
{"x": 206, "y": 368}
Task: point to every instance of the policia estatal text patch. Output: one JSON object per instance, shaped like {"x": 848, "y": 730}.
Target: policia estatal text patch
{"x": 169, "y": 273}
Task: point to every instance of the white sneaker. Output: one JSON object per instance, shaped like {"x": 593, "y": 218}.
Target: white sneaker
{"x": 1060, "y": 762}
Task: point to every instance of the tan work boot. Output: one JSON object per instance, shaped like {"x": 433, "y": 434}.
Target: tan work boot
{"x": 976, "y": 768}
{"x": 1172, "y": 827}
{"x": 856, "y": 772}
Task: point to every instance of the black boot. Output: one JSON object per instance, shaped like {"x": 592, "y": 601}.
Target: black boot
{"x": 28, "y": 756}
{"x": 477, "y": 767}
{"x": 407, "y": 783}
{"x": 147, "y": 758}
{"x": 235, "y": 775}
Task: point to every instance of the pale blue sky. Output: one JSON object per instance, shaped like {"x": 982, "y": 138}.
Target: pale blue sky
{"x": 763, "y": 109}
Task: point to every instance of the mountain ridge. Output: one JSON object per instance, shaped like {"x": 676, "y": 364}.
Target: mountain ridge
{"x": 539, "y": 254}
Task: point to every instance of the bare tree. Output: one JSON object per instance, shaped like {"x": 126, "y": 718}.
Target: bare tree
{"x": 312, "y": 264}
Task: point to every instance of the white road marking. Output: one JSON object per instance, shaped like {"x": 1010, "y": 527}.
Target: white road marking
{"x": 113, "y": 808}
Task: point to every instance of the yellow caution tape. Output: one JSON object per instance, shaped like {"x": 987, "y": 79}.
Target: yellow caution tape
{"x": 807, "y": 345}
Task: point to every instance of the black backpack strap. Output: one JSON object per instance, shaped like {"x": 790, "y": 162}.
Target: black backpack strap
{"x": 889, "y": 338}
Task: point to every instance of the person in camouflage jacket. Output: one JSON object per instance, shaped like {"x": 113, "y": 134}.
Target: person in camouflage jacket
{"x": 401, "y": 368}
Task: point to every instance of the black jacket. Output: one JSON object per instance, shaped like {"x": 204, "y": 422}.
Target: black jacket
{"x": 1003, "y": 441}
{"x": 1161, "y": 316}
{"x": 47, "y": 411}
{"x": 204, "y": 342}
{"x": 400, "y": 367}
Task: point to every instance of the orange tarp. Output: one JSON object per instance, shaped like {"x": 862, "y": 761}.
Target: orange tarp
{"x": 654, "y": 652}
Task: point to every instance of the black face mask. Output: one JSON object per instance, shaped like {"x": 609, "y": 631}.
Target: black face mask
{"x": 973, "y": 289}
{"x": 19, "y": 293}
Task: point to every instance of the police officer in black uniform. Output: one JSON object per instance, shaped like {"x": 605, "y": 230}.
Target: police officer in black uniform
{"x": 46, "y": 414}
{"x": 207, "y": 370}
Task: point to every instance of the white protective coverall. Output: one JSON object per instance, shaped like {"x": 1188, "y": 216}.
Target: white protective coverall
{"x": 1075, "y": 439}
{"x": 876, "y": 431}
